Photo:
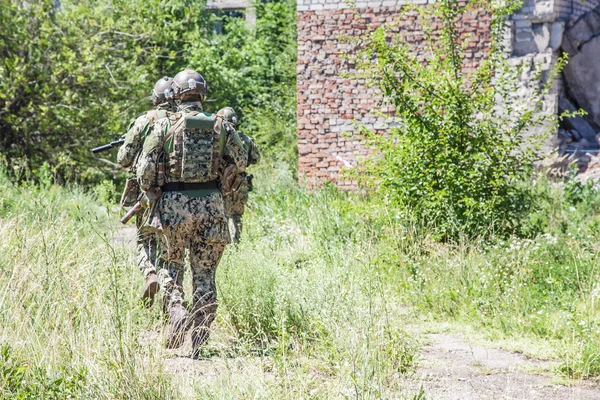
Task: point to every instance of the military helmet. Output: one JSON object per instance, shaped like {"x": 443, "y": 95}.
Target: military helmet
{"x": 162, "y": 90}
{"x": 229, "y": 114}
{"x": 189, "y": 84}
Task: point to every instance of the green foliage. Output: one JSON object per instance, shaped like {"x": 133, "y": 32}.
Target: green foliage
{"x": 253, "y": 69}
{"x": 342, "y": 262}
{"x": 460, "y": 145}
{"x": 75, "y": 73}
{"x": 69, "y": 306}
{"x": 298, "y": 292}
{"x": 300, "y": 286}
{"x": 542, "y": 288}
{"x": 21, "y": 382}
{"x": 313, "y": 303}
{"x": 580, "y": 193}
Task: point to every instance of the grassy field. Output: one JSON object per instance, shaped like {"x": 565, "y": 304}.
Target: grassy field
{"x": 320, "y": 300}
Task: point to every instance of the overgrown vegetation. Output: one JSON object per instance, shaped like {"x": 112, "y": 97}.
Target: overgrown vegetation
{"x": 75, "y": 73}
{"x": 324, "y": 295}
{"x": 461, "y": 145}
{"x": 322, "y": 298}
{"x": 295, "y": 296}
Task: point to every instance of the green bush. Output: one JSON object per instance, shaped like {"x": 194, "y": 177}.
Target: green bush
{"x": 75, "y": 74}
{"x": 455, "y": 159}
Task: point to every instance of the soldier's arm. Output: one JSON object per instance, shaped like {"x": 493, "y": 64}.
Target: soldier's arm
{"x": 133, "y": 141}
{"x": 235, "y": 151}
{"x": 253, "y": 151}
{"x": 147, "y": 167}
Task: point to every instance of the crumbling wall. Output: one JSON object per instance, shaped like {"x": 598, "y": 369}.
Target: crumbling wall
{"x": 541, "y": 31}
{"x": 328, "y": 102}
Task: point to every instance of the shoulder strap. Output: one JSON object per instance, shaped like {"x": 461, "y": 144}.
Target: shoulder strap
{"x": 222, "y": 132}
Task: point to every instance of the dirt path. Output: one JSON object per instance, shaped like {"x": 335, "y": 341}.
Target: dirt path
{"x": 451, "y": 369}
{"x": 126, "y": 236}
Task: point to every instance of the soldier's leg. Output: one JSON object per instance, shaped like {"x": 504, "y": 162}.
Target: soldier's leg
{"x": 146, "y": 248}
{"x": 172, "y": 254}
{"x": 238, "y": 205}
{"x": 204, "y": 258}
{"x": 147, "y": 245}
{"x": 173, "y": 243}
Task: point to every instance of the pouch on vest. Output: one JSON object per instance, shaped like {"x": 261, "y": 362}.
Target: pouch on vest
{"x": 131, "y": 193}
{"x": 228, "y": 179}
{"x": 192, "y": 149}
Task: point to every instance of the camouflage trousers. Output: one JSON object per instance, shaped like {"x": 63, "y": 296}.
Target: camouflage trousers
{"x": 198, "y": 225}
{"x": 147, "y": 249}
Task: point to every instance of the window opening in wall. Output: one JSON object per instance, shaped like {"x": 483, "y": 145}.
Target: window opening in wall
{"x": 221, "y": 17}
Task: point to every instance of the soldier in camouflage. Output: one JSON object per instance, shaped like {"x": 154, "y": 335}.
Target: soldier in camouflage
{"x": 181, "y": 168}
{"x": 147, "y": 243}
{"x": 236, "y": 199}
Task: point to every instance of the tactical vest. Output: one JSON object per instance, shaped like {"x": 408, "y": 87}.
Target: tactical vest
{"x": 192, "y": 148}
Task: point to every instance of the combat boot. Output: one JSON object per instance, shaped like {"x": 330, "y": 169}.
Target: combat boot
{"x": 178, "y": 318}
{"x": 150, "y": 289}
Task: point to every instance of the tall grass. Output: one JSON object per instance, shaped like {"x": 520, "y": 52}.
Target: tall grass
{"x": 544, "y": 287}
{"x": 313, "y": 268}
{"x": 314, "y": 302}
{"x": 68, "y": 306}
{"x": 298, "y": 300}
{"x": 301, "y": 287}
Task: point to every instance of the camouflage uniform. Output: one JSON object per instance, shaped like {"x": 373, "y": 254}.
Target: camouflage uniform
{"x": 147, "y": 243}
{"x": 236, "y": 200}
{"x": 195, "y": 218}
{"x": 241, "y": 184}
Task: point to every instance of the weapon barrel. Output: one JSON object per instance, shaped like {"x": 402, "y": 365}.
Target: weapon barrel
{"x": 108, "y": 146}
{"x": 102, "y": 148}
{"x": 137, "y": 207}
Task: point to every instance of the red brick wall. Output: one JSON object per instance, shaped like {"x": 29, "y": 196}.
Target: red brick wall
{"x": 327, "y": 102}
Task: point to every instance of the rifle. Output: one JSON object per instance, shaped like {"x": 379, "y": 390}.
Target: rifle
{"x": 152, "y": 195}
{"x": 108, "y": 146}
{"x": 137, "y": 207}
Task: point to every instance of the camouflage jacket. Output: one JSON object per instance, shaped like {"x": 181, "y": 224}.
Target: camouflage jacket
{"x": 136, "y": 133}
{"x": 250, "y": 146}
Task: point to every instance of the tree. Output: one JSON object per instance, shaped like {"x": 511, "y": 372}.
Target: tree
{"x": 75, "y": 73}
{"x": 460, "y": 151}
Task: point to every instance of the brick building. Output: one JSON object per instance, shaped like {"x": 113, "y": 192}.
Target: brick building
{"x": 328, "y": 102}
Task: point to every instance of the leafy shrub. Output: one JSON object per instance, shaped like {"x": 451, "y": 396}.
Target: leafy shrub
{"x": 460, "y": 145}
{"x": 75, "y": 73}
